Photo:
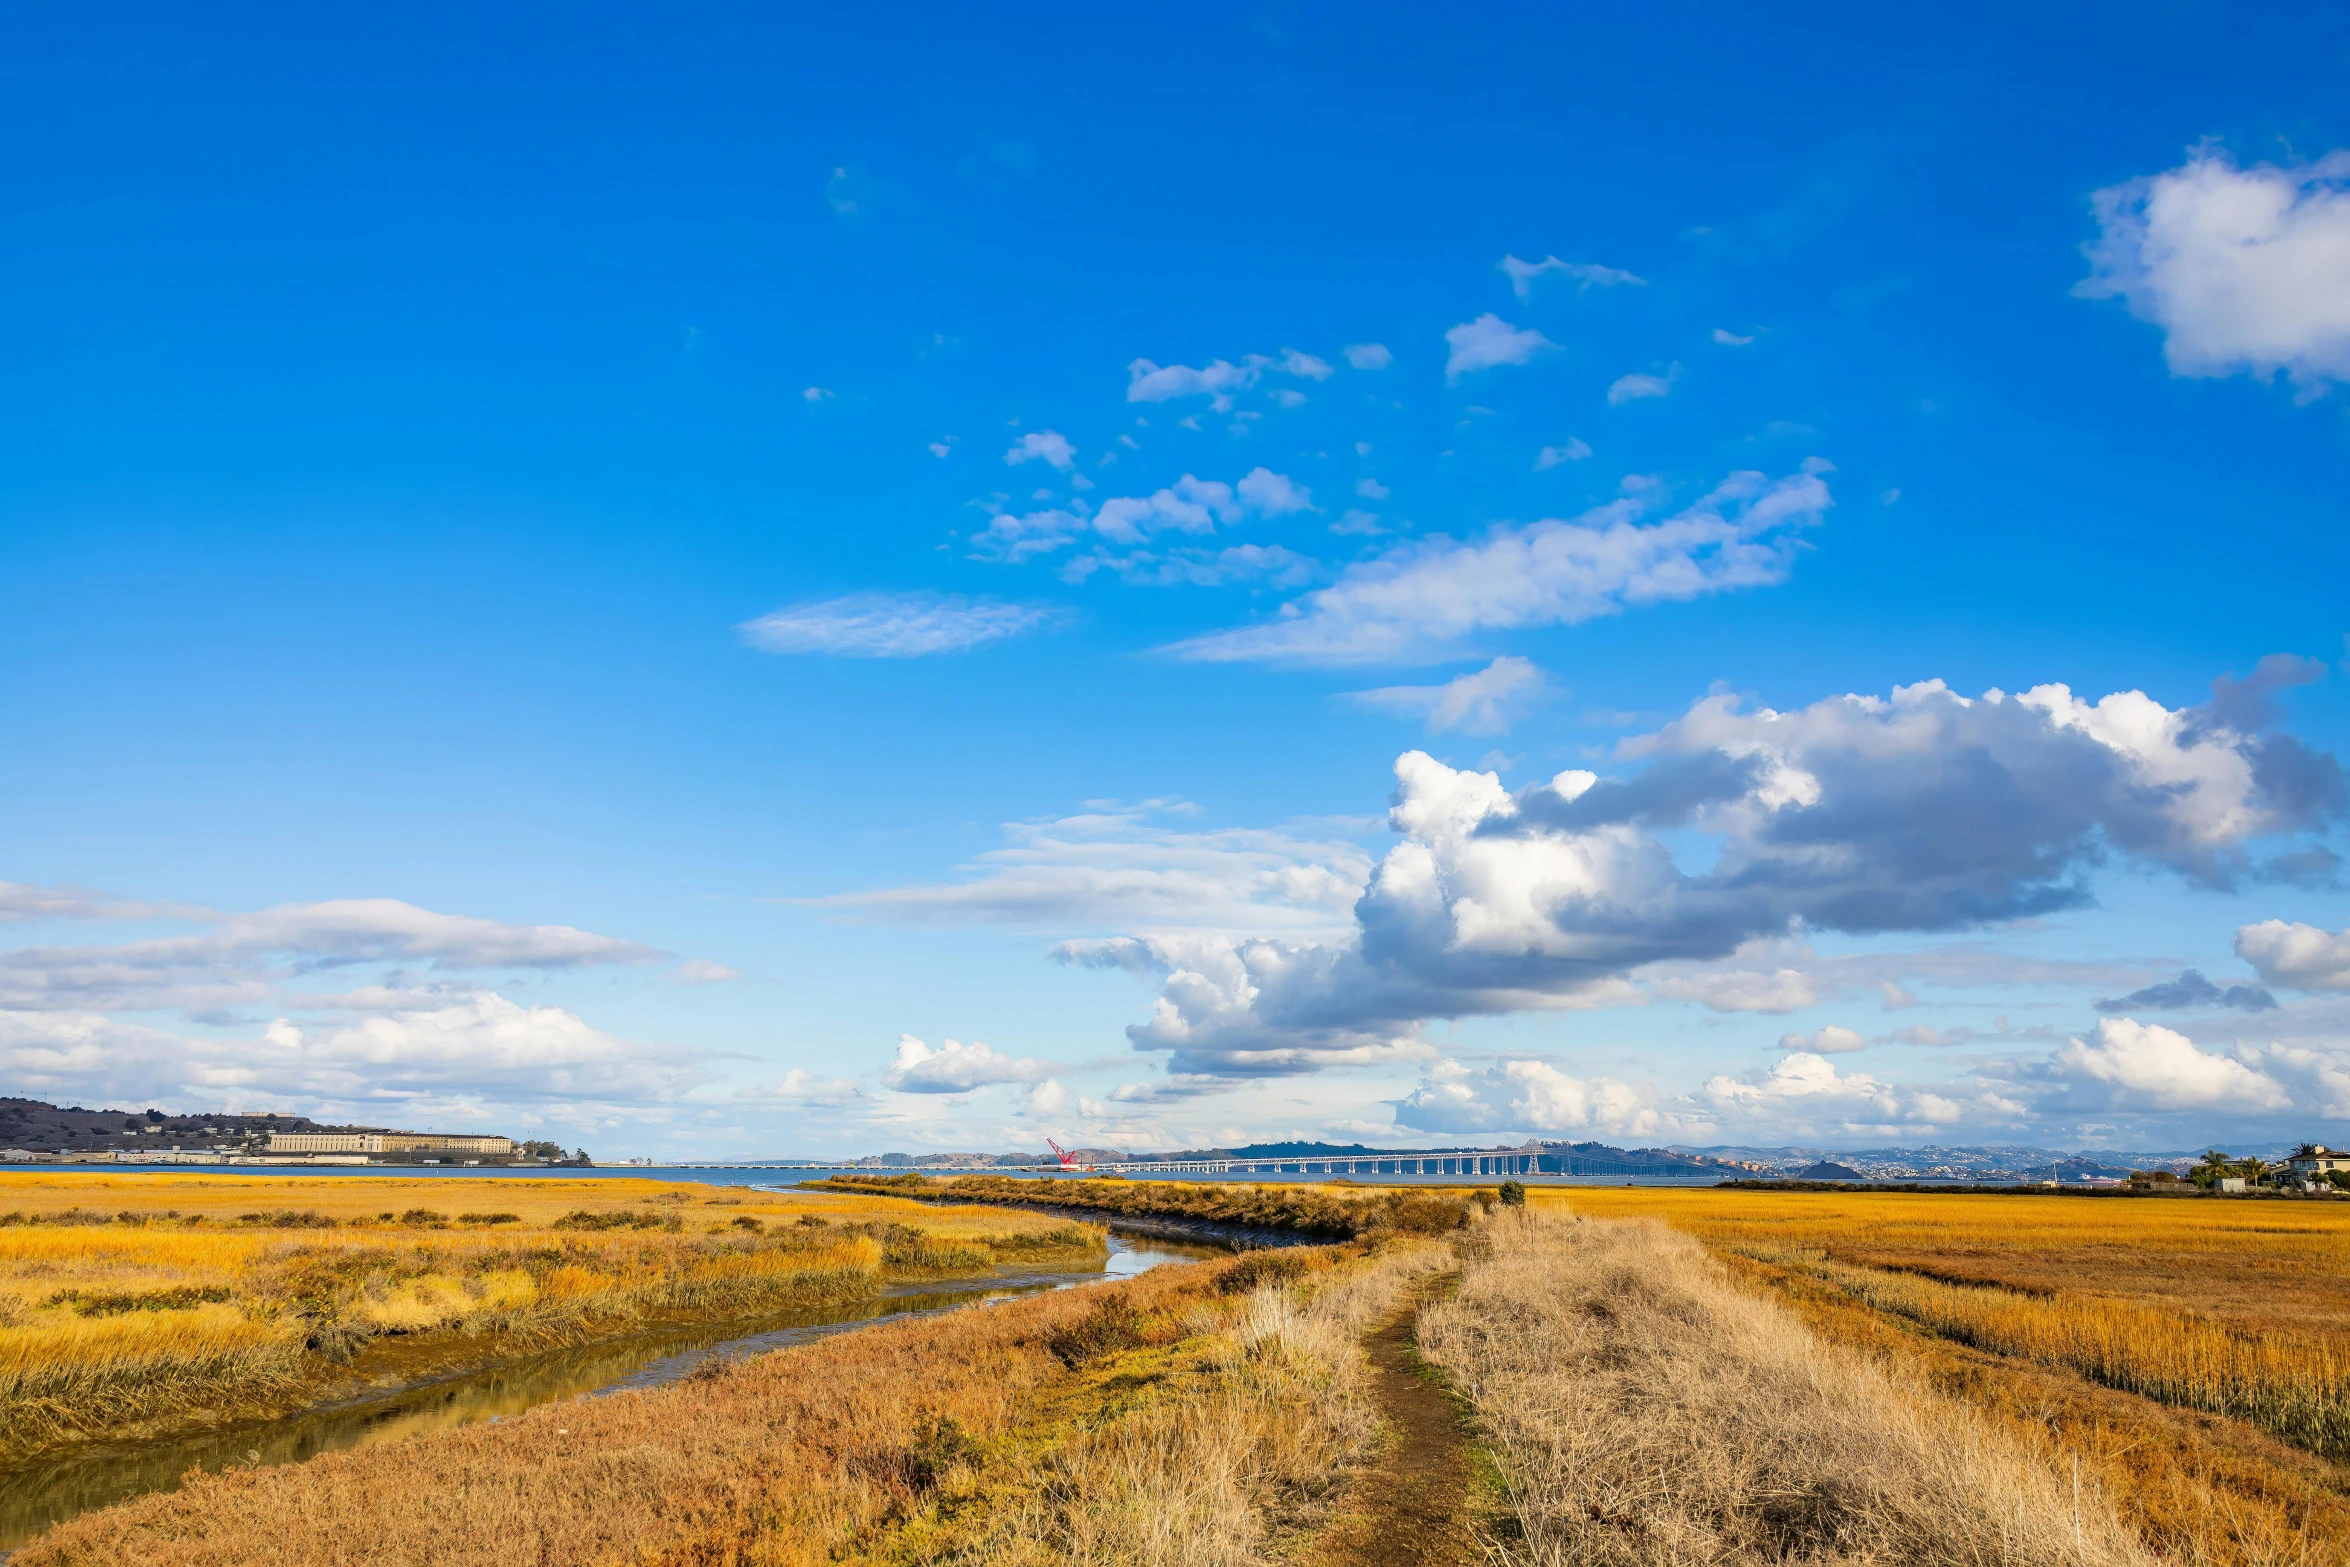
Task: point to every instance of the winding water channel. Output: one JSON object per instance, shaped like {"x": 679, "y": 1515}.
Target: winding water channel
{"x": 34, "y": 1497}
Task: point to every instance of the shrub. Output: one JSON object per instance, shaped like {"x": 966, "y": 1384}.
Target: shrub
{"x": 489, "y": 1218}
{"x": 1513, "y": 1194}
{"x": 1256, "y": 1269}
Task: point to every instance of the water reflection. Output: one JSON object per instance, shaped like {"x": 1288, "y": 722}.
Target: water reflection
{"x": 33, "y": 1498}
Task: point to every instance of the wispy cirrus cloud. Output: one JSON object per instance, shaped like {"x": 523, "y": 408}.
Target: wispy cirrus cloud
{"x": 1482, "y": 702}
{"x": 1586, "y": 274}
{"x": 1421, "y": 602}
{"x": 893, "y": 625}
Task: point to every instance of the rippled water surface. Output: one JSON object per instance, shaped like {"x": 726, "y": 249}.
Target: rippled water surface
{"x": 35, "y": 1497}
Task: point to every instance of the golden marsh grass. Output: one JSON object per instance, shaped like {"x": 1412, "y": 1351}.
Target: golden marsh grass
{"x": 131, "y": 1300}
{"x": 2176, "y": 1346}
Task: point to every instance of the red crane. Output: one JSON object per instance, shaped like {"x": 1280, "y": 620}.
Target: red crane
{"x": 1068, "y": 1160}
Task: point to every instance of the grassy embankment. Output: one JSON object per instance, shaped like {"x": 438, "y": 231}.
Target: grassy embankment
{"x": 2194, "y": 1356}
{"x": 1328, "y": 1212}
{"x": 132, "y": 1303}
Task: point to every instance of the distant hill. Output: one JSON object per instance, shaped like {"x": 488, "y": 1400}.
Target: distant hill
{"x": 39, "y": 1127}
{"x": 1827, "y": 1171}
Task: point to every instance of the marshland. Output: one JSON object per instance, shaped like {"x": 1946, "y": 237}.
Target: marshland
{"x": 1595, "y": 1375}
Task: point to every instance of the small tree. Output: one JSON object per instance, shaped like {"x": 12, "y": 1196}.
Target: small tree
{"x": 1513, "y": 1194}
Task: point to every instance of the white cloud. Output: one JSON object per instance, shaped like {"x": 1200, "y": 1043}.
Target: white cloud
{"x": 2243, "y": 269}
{"x": 1220, "y": 379}
{"x": 1551, "y": 456}
{"x": 1527, "y": 1096}
{"x": 237, "y": 959}
{"x": 1864, "y": 815}
{"x": 1151, "y": 383}
{"x": 2301, "y": 957}
{"x": 1048, "y": 1098}
{"x": 1735, "y": 989}
{"x": 1271, "y": 494}
{"x": 1046, "y": 445}
{"x": 1829, "y": 1041}
{"x": 1730, "y": 339}
{"x": 892, "y": 625}
{"x": 956, "y": 1068}
{"x": 2154, "y": 1068}
{"x": 1190, "y": 505}
{"x": 1806, "y": 1089}
{"x": 1369, "y": 356}
{"x": 940, "y": 449}
{"x": 802, "y": 1087}
{"x": 1357, "y": 521}
{"x": 1632, "y": 388}
{"x": 452, "y": 1058}
{"x": 1489, "y": 341}
{"x": 701, "y": 971}
{"x": 1422, "y": 600}
{"x": 1271, "y": 564}
{"x": 1482, "y": 702}
{"x": 815, "y": 394}
{"x": 1372, "y": 490}
{"x": 1114, "y": 868}
{"x": 1586, "y": 274}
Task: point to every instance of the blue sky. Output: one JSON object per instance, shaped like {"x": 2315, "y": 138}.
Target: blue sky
{"x": 630, "y": 575}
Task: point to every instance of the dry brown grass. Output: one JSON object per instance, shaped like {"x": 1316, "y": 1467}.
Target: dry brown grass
{"x": 2197, "y": 1488}
{"x": 129, "y": 1302}
{"x": 1651, "y": 1413}
{"x": 1159, "y": 1421}
{"x": 2101, "y": 1325}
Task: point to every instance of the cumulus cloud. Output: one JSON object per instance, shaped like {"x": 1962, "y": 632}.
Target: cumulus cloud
{"x": 1587, "y": 274}
{"x": 1829, "y": 1041}
{"x": 1190, "y": 505}
{"x": 1119, "y": 868}
{"x": 1550, "y": 457}
{"x": 892, "y": 625}
{"x": 1925, "y": 811}
{"x": 2154, "y": 1068}
{"x": 1805, "y": 1090}
{"x": 956, "y": 1068}
{"x": 2243, "y": 269}
{"x": 1151, "y": 383}
{"x": 1220, "y": 379}
{"x": 1730, "y": 339}
{"x": 1049, "y": 446}
{"x": 1482, "y": 702}
{"x": 1632, "y": 388}
{"x": 2296, "y": 956}
{"x": 1271, "y": 494}
{"x": 2190, "y": 989}
{"x": 1487, "y": 342}
{"x": 1421, "y": 601}
{"x": 1526, "y": 1096}
{"x": 1368, "y": 356}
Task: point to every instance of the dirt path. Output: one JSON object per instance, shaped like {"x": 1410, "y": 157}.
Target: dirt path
{"x": 1411, "y": 1509}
